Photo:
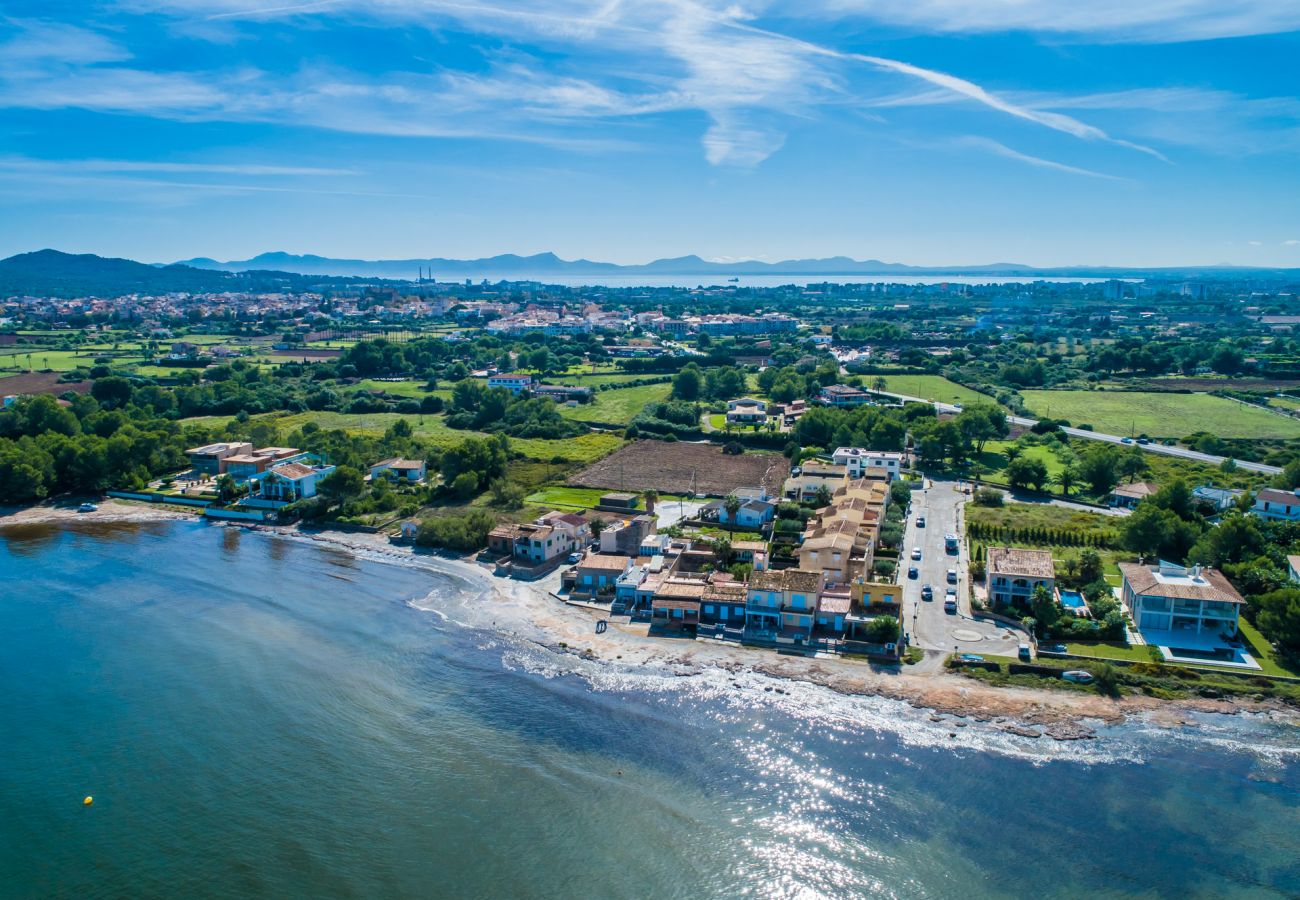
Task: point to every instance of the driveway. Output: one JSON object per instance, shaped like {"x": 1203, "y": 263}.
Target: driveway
{"x": 930, "y": 627}
{"x": 670, "y": 512}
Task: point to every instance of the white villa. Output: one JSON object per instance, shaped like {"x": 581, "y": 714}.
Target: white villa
{"x": 746, "y": 411}
{"x": 1182, "y": 609}
{"x": 863, "y": 463}
{"x": 1014, "y": 573}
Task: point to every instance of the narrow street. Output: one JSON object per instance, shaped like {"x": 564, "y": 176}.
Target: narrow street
{"x": 941, "y": 505}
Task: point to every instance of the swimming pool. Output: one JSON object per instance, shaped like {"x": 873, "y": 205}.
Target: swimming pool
{"x": 1073, "y": 600}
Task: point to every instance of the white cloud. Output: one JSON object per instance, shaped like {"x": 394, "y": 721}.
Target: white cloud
{"x": 1291, "y": 243}
{"x": 1119, "y": 21}
{"x": 999, "y": 149}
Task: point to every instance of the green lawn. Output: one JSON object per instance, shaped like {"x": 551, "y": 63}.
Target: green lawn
{"x": 393, "y": 388}
{"x": 1160, "y": 414}
{"x": 995, "y": 457}
{"x": 1110, "y": 651}
{"x": 432, "y": 428}
{"x": 928, "y": 387}
{"x": 567, "y": 497}
{"x": 1263, "y": 652}
{"x": 587, "y": 378}
{"x": 18, "y": 359}
{"x": 619, "y": 406}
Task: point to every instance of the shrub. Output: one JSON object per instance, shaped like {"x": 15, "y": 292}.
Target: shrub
{"x": 466, "y": 531}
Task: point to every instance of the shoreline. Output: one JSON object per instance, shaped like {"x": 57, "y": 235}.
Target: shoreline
{"x": 564, "y": 628}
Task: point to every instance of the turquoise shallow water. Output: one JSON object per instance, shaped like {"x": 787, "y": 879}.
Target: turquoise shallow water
{"x": 262, "y": 717}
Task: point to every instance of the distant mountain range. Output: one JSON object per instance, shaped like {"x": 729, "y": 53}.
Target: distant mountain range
{"x": 540, "y": 265}
{"x": 56, "y": 274}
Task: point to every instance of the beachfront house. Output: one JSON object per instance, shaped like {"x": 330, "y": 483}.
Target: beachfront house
{"x": 1014, "y": 573}
{"x": 210, "y": 459}
{"x": 1182, "y": 607}
{"x": 411, "y": 471}
{"x": 723, "y": 603}
{"x": 676, "y": 603}
{"x": 292, "y": 481}
{"x": 781, "y": 605}
{"x": 598, "y": 572}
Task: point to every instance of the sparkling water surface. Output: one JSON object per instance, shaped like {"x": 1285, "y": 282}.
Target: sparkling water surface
{"x": 262, "y": 717}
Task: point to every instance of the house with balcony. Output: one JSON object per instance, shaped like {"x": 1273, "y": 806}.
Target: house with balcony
{"x": 752, "y": 513}
{"x": 746, "y": 411}
{"x": 676, "y": 603}
{"x": 410, "y": 471}
{"x": 512, "y": 382}
{"x": 1189, "y": 613}
{"x": 210, "y": 459}
{"x": 842, "y": 395}
{"x": 869, "y": 600}
{"x": 292, "y": 481}
{"x": 780, "y": 606}
{"x": 597, "y": 573}
{"x": 1014, "y": 573}
{"x": 1278, "y": 505}
{"x": 811, "y": 477}
{"x": 863, "y": 463}
{"x": 723, "y": 604}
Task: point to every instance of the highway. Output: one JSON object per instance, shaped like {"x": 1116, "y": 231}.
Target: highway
{"x": 1180, "y": 452}
{"x": 925, "y": 620}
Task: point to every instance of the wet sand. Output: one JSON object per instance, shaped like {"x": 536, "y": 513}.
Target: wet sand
{"x": 527, "y": 609}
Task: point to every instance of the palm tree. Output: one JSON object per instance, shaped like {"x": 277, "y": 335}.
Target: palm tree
{"x": 1012, "y": 451}
{"x": 879, "y": 383}
{"x": 1067, "y": 478}
{"x": 732, "y": 506}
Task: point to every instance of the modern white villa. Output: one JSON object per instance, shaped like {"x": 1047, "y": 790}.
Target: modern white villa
{"x": 1189, "y": 613}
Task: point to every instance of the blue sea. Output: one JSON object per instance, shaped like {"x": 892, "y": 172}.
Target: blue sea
{"x": 259, "y": 716}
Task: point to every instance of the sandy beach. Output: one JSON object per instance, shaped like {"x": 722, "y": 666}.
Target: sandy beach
{"x": 529, "y": 609}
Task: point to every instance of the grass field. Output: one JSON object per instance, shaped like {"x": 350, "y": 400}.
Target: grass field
{"x": 1160, "y": 415}
{"x": 566, "y": 497}
{"x": 1110, "y": 651}
{"x": 619, "y": 406}
{"x": 431, "y": 428}
{"x": 585, "y": 448}
{"x": 16, "y": 360}
{"x": 994, "y": 457}
{"x": 1263, "y": 652}
{"x": 929, "y": 387}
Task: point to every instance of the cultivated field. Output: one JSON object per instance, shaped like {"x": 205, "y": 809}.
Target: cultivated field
{"x": 1161, "y": 415}
{"x": 1222, "y": 383}
{"x": 40, "y": 383}
{"x": 670, "y": 467}
{"x": 929, "y": 387}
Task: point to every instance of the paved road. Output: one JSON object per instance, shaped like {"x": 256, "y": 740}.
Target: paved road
{"x": 1180, "y": 452}
{"x": 932, "y": 628}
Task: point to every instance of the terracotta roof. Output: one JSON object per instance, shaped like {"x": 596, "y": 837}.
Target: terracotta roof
{"x": 748, "y": 545}
{"x": 766, "y": 581}
{"x": 1209, "y": 584}
{"x": 605, "y": 561}
{"x": 728, "y": 592}
{"x": 681, "y": 590}
{"x": 1138, "y": 489}
{"x": 1021, "y": 562}
{"x": 292, "y": 471}
{"x": 835, "y": 603}
{"x": 799, "y": 580}
{"x": 658, "y": 603}
{"x": 398, "y": 463}
{"x": 1273, "y": 495}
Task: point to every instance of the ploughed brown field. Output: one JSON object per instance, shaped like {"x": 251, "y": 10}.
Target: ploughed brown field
{"x": 668, "y": 467}
{"x": 40, "y": 383}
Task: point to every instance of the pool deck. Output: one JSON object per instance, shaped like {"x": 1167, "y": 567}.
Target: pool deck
{"x": 1172, "y": 643}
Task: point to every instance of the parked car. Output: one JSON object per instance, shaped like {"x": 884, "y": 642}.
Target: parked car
{"x": 916, "y": 553}
{"x": 927, "y": 592}
{"x": 970, "y": 657}
{"x": 1126, "y": 441}
{"x": 920, "y": 521}
{"x": 1077, "y": 676}
{"x": 1023, "y": 652}
{"x": 87, "y": 507}
{"x": 1144, "y": 441}
{"x": 952, "y": 576}
{"x": 951, "y": 592}
{"x": 575, "y": 558}
{"x": 950, "y": 605}
{"x": 913, "y": 573}
{"x": 1053, "y": 648}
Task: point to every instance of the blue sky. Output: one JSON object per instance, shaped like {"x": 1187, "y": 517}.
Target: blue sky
{"x": 924, "y": 131}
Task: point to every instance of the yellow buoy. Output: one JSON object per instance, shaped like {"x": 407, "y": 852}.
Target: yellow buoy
{"x": 88, "y": 801}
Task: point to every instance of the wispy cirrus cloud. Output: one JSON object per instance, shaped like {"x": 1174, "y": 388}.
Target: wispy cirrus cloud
{"x": 1118, "y": 21}
{"x": 997, "y": 148}
{"x": 596, "y": 62}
